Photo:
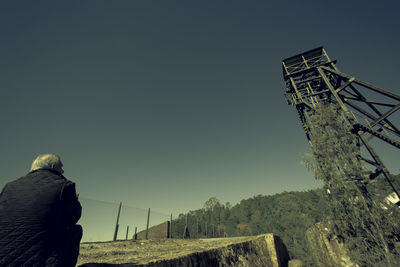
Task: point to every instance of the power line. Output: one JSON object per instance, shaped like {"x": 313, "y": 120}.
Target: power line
{"x": 124, "y": 205}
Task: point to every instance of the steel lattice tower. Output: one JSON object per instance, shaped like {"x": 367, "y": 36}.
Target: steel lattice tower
{"x": 312, "y": 77}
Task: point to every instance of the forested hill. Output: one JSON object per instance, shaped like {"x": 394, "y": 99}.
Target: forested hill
{"x": 288, "y": 215}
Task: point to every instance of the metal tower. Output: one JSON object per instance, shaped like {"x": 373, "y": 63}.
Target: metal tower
{"x": 312, "y": 77}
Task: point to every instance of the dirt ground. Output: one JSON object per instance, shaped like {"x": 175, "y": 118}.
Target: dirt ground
{"x": 146, "y": 251}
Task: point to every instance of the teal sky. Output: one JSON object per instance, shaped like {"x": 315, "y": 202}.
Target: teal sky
{"x": 164, "y": 104}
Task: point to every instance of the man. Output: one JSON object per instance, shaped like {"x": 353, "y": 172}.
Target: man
{"x": 38, "y": 216}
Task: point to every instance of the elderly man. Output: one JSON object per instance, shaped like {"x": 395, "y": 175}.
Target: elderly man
{"x": 38, "y": 216}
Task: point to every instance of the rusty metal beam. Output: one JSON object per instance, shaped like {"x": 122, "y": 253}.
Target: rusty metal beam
{"x": 368, "y": 85}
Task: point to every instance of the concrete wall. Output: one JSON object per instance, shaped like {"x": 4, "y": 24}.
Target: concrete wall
{"x": 264, "y": 250}
{"x": 156, "y": 232}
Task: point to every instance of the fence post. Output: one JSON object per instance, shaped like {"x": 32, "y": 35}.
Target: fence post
{"x": 170, "y": 227}
{"x": 127, "y": 230}
{"x": 135, "y": 235}
{"x": 147, "y": 227}
{"x": 186, "y": 233}
{"x": 117, "y": 225}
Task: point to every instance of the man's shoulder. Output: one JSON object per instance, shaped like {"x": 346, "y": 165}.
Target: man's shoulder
{"x": 47, "y": 179}
{"x": 40, "y": 176}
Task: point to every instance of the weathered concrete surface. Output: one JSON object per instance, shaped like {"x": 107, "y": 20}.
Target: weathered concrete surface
{"x": 295, "y": 263}
{"x": 326, "y": 250}
{"x": 263, "y": 250}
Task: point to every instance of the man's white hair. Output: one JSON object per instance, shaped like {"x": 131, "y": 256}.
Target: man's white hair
{"x": 45, "y": 161}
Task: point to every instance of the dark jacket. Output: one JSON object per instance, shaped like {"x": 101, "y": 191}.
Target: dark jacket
{"x": 35, "y": 213}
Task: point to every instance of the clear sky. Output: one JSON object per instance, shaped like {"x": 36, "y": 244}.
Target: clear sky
{"x": 164, "y": 104}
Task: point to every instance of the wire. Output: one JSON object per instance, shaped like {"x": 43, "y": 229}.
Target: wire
{"x": 124, "y": 206}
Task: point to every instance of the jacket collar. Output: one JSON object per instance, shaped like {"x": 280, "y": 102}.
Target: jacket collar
{"x": 47, "y": 169}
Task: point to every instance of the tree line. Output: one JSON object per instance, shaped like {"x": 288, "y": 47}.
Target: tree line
{"x": 288, "y": 215}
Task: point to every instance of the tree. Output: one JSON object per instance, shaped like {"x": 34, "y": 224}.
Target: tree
{"x": 211, "y": 203}
{"x": 357, "y": 220}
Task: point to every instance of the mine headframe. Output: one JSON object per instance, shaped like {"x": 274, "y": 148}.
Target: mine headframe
{"x": 312, "y": 78}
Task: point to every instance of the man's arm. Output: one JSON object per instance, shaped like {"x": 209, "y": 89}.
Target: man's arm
{"x": 71, "y": 206}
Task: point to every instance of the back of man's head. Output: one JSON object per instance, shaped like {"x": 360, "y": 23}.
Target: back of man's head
{"x": 45, "y": 161}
